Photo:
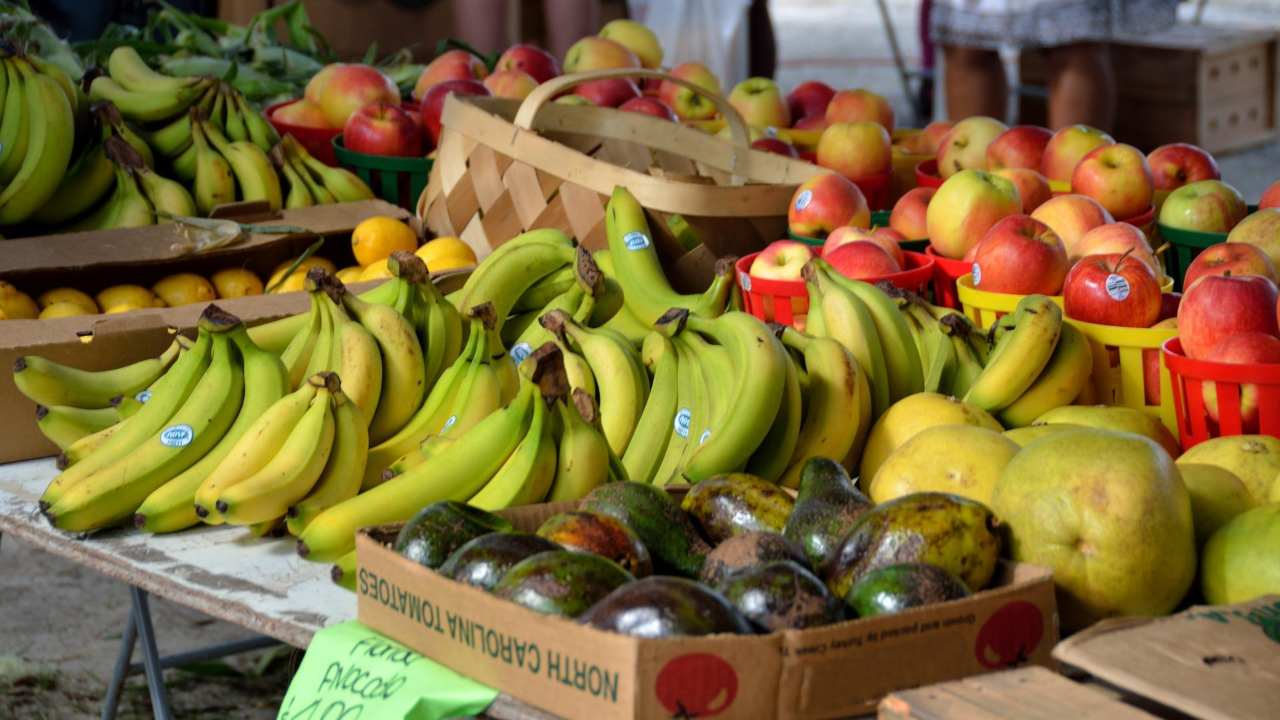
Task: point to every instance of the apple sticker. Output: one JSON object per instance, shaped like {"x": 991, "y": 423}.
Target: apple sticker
{"x": 696, "y": 685}
{"x": 977, "y": 274}
{"x": 683, "y": 419}
{"x": 635, "y": 240}
{"x": 745, "y": 282}
{"x": 1117, "y": 287}
{"x": 803, "y": 199}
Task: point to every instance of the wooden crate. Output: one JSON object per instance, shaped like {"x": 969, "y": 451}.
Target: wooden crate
{"x": 1032, "y": 693}
{"x": 1216, "y": 87}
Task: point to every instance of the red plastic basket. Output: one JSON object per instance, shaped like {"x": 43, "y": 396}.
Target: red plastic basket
{"x": 927, "y": 174}
{"x": 876, "y": 190}
{"x": 1188, "y": 378}
{"x": 317, "y": 141}
{"x": 782, "y": 301}
{"x": 945, "y": 274}
{"x": 1146, "y": 222}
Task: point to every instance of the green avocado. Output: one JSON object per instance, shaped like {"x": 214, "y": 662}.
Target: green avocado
{"x": 484, "y": 560}
{"x": 601, "y": 534}
{"x": 781, "y": 595}
{"x": 826, "y": 508}
{"x": 737, "y": 503}
{"x": 666, "y": 531}
{"x": 431, "y": 536}
{"x": 663, "y": 606}
{"x": 561, "y": 582}
{"x": 894, "y": 588}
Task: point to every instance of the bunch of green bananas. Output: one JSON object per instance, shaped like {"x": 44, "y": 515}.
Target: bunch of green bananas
{"x": 311, "y": 182}
{"x": 37, "y": 133}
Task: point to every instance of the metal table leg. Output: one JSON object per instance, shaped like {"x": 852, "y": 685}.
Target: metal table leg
{"x": 150, "y": 656}
{"x": 121, "y": 672}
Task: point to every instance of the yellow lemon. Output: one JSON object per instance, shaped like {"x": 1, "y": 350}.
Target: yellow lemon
{"x": 236, "y": 282}
{"x": 64, "y": 309}
{"x": 349, "y": 275}
{"x": 183, "y": 289}
{"x": 134, "y": 296}
{"x": 376, "y": 238}
{"x": 298, "y": 277}
{"x": 375, "y": 271}
{"x": 125, "y": 307}
{"x": 16, "y": 304}
{"x": 68, "y": 295}
{"x": 446, "y": 247}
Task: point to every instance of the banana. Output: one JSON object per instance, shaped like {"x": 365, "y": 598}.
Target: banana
{"x": 403, "y": 384}
{"x": 356, "y": 356}
{"x": 342, "y": 184}
{"x": 340, "y": 479}
{"x": 297, "y": 354}
{"x": 214, "y": 183}
{"x": 902, "y": 363}
{"x": 484, "y": 389}
{"x": 185, "y": 164}
{"x": 967, "y": 367}
{"x": 148, "y": 105}
{"x": 618, "y": 372}
{"x": 127, "y": 207}
{"x": 49, "y": 383}
{"x": 714, "y": 365}
{"x": 1061, "y": 381}
{"x": 691, "y": 393}
{"x": 63, "y": 425}
{"x": 442, "y": 332}
{"x": 319, "y": 194}
{"x": 261, "y": 132}
{"x": 501, "y": 283}
{"x": 50, "y": 139}
{"x": 648, "y": 444}
{"x": 15, "y": 126}
{"x": 171, "y": 507}
{"x": 175, "y": 137}
{"x": 233, "y": 125}
{"x": 125, "y": 405}
{"x": 833, "y": 414}
{"x": 293, "y": 472}
{"x": 583, "y": 455}
{"x": 771, "y": 458}
{"x": 85, "y": 446}
{"x": 127, "y": 68}
{"x": 528, "y": 473}
{"x": 1019, "y": 355}
{"x": 321, "y": 359}
{"x": 936, "y": 349}
{"x": 343, "y": 571}
{"x": 166, "y": 196}
{"x": 88, "y": 180}
{"x": 255, "y": 177}
{"x": 298, "y": 196}
{"x": 540, "y": 294}
{"x": 846, "y": 319}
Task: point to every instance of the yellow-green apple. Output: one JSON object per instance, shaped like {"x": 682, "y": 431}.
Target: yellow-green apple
{"x": 648, "y": 106}
{"x": 753, "y": 133}
{"x": 886, "y": 238}
{"x": 1205, "y": 206}
{"x": 382, "y": 129}
{"x": 1219, "y": 306}
{"x": 965, "y": 146}
{"x": 759, "y": 102}
{"x": 1021, "y": 146}
{"x": 908, "y": 216}
{"x": 1114, "y": 239}
{"x": 1262, "y": 230}
{"x": 1178, "y": 164}
{"x": 1249, "y": 348}
{"x": 1067, "y": 148}
{"x": 540, "y": 64}
{"x": 860, "y": 105}
{"x": 1230, "y": 259}
{"x": 781, "y": 260}
{"x": 514, "y": 84}
{"x": 1113, "y": 289}
{"x": 825, "y": 202}
{"x": 1071, "y": 216}
{"x": 597, "y": 53}
{"x": 350, "y": 87}
{"x": 1022, "y": 256}
{"x": 775, "y": 146}
{"x": 451, "y": 65}
{"x": 1270, "y": 197}
{"x": 637, "y": 38}
{"x": 302, "y": 113}
{"x": 857, "y": 150}
{"x": 608, "y": 92}
{"x": 862, "y": 260}
{"x": 965, "y": 207}
{"x": 809, "y": 100}
{"x": 688, "y": 104}
{"x": 1151, "y": 364}
{"x": 1033, "y": 187}
{"x": 433, "y": 102}
{"x": 1118, "y": 177}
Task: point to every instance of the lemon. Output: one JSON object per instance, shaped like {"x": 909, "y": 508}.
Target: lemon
{"x": 183, "y": 289}
{"x": 376, "y": 238}
{"x": 125, "y": 307}
{"x": 445, "y": 246}
{"x": 297, "y": 279}
{"x": 236, "y": 282}
{"x": 375, "y": 271}
{"x": 349, "y": 275}
{"x": 64, "y": 309}
{"x": 134, "y": 296}
{"x": 68, "y": 295}
{"x": 450, "y": 263}
{"x": 16, "y": 304}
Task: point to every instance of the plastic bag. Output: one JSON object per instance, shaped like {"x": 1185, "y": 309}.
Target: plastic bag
{"x": 712, "y": 32}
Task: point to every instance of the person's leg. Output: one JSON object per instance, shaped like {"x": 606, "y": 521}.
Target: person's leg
{"x": 568, "y": 21}
{"x": 975, "y": 83}
{"x": 1082, "y": 86}
{"x": 482, "y": 24}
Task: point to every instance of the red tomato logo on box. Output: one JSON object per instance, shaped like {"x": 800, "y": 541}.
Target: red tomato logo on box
{"x": 1010, "y": 636}
{"x": 696, "y": 685}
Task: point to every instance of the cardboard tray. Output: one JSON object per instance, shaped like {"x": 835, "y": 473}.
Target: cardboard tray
{"x": 579, "y": 672}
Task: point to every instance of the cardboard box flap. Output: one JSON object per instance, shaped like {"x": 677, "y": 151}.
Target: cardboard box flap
{"x": 1032, "y": 693}
{"x": 1214, "y": 662}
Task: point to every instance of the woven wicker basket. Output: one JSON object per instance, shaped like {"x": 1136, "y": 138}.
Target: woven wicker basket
{"x": 504, "y": 167}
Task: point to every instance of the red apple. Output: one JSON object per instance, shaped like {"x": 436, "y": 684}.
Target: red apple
{"x": 540, "y": 64}
{"x": 351, "y": 87}
{"x": 1067, "y": 148}
{"x": 781, "y": 260}
{"x": 857, "y": 150}
{"x": 302, "y": 113}
{"x": 862, "y": 260}
{"x": 1117, "y": 176}
{"x": 1204, "y": 206}
{"x": 1230, "y": 259}
{"x": 1219, "y": 306}
{"x": 650, "y": 87}
{"x": 909, "y": 213}
{"x": 514, "y": 84}
{"x": 1021, "y": 256}
{"x": 813, "y": 122}
{"x": 597, "y": 53}
{"x": 382, "y": 129}
{"x": 1262, "y": 230}
{"x": 1169, "y": 303}
{"x": 825, "y": 202}
{"x": 1177, "y": 164}
{"x": 1112, "y": 289}
{"x": 1021, "y": 146}
{"x": 1114, "y": 239}
{"x": 1071, "y": 216}
{"x": 965, "y": 145}
{"x": 860, "y": 106}
{"x": 891, "y": 240}
{"x": 1151, "y": 364}
{"x": 610, "y": 92}
{"x": 775, "y": 146}
{"x": 688, "y": 104}
{"x": 760, "y": 103}
{"x": 648, "y": 106}
{"x": 1250, "y": 348}
{"x": 884, "y": 237}
{"x": 1033, "y": 188}
{"x": 1270, "y": 197}
{"x": 450, "y": 65}
{"x": 965, "y": 207}
{"x": 809, "y": 99}
{"x": 931, "y": 137}
{"x": 433, "y": 102}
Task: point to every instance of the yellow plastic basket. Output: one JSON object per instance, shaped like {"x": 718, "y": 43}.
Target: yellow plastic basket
{"x": 984, "y": 308}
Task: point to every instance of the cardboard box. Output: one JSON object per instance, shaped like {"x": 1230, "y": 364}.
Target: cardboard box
{"x": 1032, "y": 692}
{"x": 579, "y": 672}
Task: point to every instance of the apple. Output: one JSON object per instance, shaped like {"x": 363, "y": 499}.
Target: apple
{"x": 860, "y": 105}
{"x": 650, "y": 86}
{"x": 776, "y": 146}
{"x": 1262, "y": 230}
{"x": 302, "y": 113}
{"x": 781, "y": 260}
{"x": 862, "y": 260}
{"x": 540, "y": 64}
{"x": 1151, "y": 363}
{"x": 1219, "y": 306}
{"x": 1270, "y": 197}
{"x": 433, "y": 102}
{"x": 316, "y": 85}
{"x": 813, "y": 122}
{"x": 514, "y": 84}
{"x": 608, "y": 92}
{"x": 573, "y": 100}
{"x": 1116, "y": 238}
{"x": 688, "y": 104}
{"x": 908, "y": 216}
{"x": 382, "y": 129}
{"x": 753, "y": 133}
{"x": 637, "y": 38}
{"x": 1169, "y": 303}
{"x": 809, "y": 100}
{"x": 1118, "y": 177}
{"x": 760, "y": 103}
{"x": 1033, "y": 188}
{"x": 931, "y": 137}
{"x": 452, "y": 65}
{"x": 1022, "y": 256}
{"x": 965, "y": 207}
{"x": 856, "y": 150}
{"x": 825, "y": 202}
{"x": 1230, "y": 259}
{"x": 1071, "y": 216}
{"x": 886, "y": 238}
{"x": 1204, "y": 206}
{"x": 648, "y": 106}
{"x": 597, "y": 53}
{"x": 1249, "y": 348}
{"x": 1021, "y": 146}
{"x": 965, "y": 146}
{"x": 1177, "y": 164}
{"x": 891, "y": 240}
{"x": 351, "y": 87}
{"x": 1067, "y": 148}
{"x": 1112, "y": 289}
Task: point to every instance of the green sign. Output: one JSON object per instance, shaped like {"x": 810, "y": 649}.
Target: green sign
{"x": 353, "y": 673}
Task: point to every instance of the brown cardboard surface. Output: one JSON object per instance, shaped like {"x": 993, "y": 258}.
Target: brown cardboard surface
{"x": 1213, "y": 662}
{"x": 1032, "y": 693}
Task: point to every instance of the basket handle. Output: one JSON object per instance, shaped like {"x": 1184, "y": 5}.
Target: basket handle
{"x": 542, "y": 94}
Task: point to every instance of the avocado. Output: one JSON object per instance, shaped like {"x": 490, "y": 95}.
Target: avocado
{"x": 742, "y": 551}
{"x": 781, "y": 595}
{"x": 663, "y": 606}
{"x": 665, "y": 529}
{"x": 894, "y": 588}
{"x": 827, "y": 506}
{"x": 726, "y": 505}
{"x": 484, "y": 560}
{"x": 561, "y": 582}
{"x": 954, "y": 533}
{"x": 432, "y": 535}
{"x": 601, "y": 534}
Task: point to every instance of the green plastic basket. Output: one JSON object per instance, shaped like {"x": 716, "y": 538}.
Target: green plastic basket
{"x": 398, "y": 180}
{"x": 1184, "y": 246}
{"x": 880, "y": 218}
{"x": 810, "y": 241}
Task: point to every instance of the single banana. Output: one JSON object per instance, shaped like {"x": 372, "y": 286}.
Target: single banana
{"x": 340, "y": 479}
{"x": 442, "y": 332}
{"x": 89, "y": 179}
{"x": 1019, "y": 356}
{"x": 343, "y": 572}
{"x": 15, "y": 125}
{"x": 583, "y": 455}
{"x": 773, "y": 456}
{"x": 618, "y": 371}
{"x": 715, "y": 364}
{"x": 1060, "y": 382}
{"x": 148, "y": 105}
{"x": 937, "y": 351}
{"x": 483, "y": 390}
{"x": 85, "y": 446}
{"x": 127, "y": 207}
{"x": 49, "y": 383}
{"x": 166, "y": 196}
{"x": 832, "y": 416}
{"x": 653, "y": 431}
{"x": 528, "y": 473}
{"x": 298, "y": 196}
{"x": 125, "y": 405}
{"x": 322, "y": 355}
{"x": 233, "y": 125}
{"x": 403, "y": 385}
{"x": 356, "y": 357}
{"x": 255, "y": 177}
{"x": 63, "y": 425}
{"x": 846, "y": 319}
{"x": 297, "y": 354}
{"x": 902, "y": 362}
{"x": 214, "y": 183}
{"x": 50, "y": 139}
{"x": 690, "y": 397}
{"x": 185, "y": 165}
{"x": 539, "y": 295}
{"x": 261, "y": 132}
{"x": 127, "y": 68}
{"x": 175, "y": 137}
